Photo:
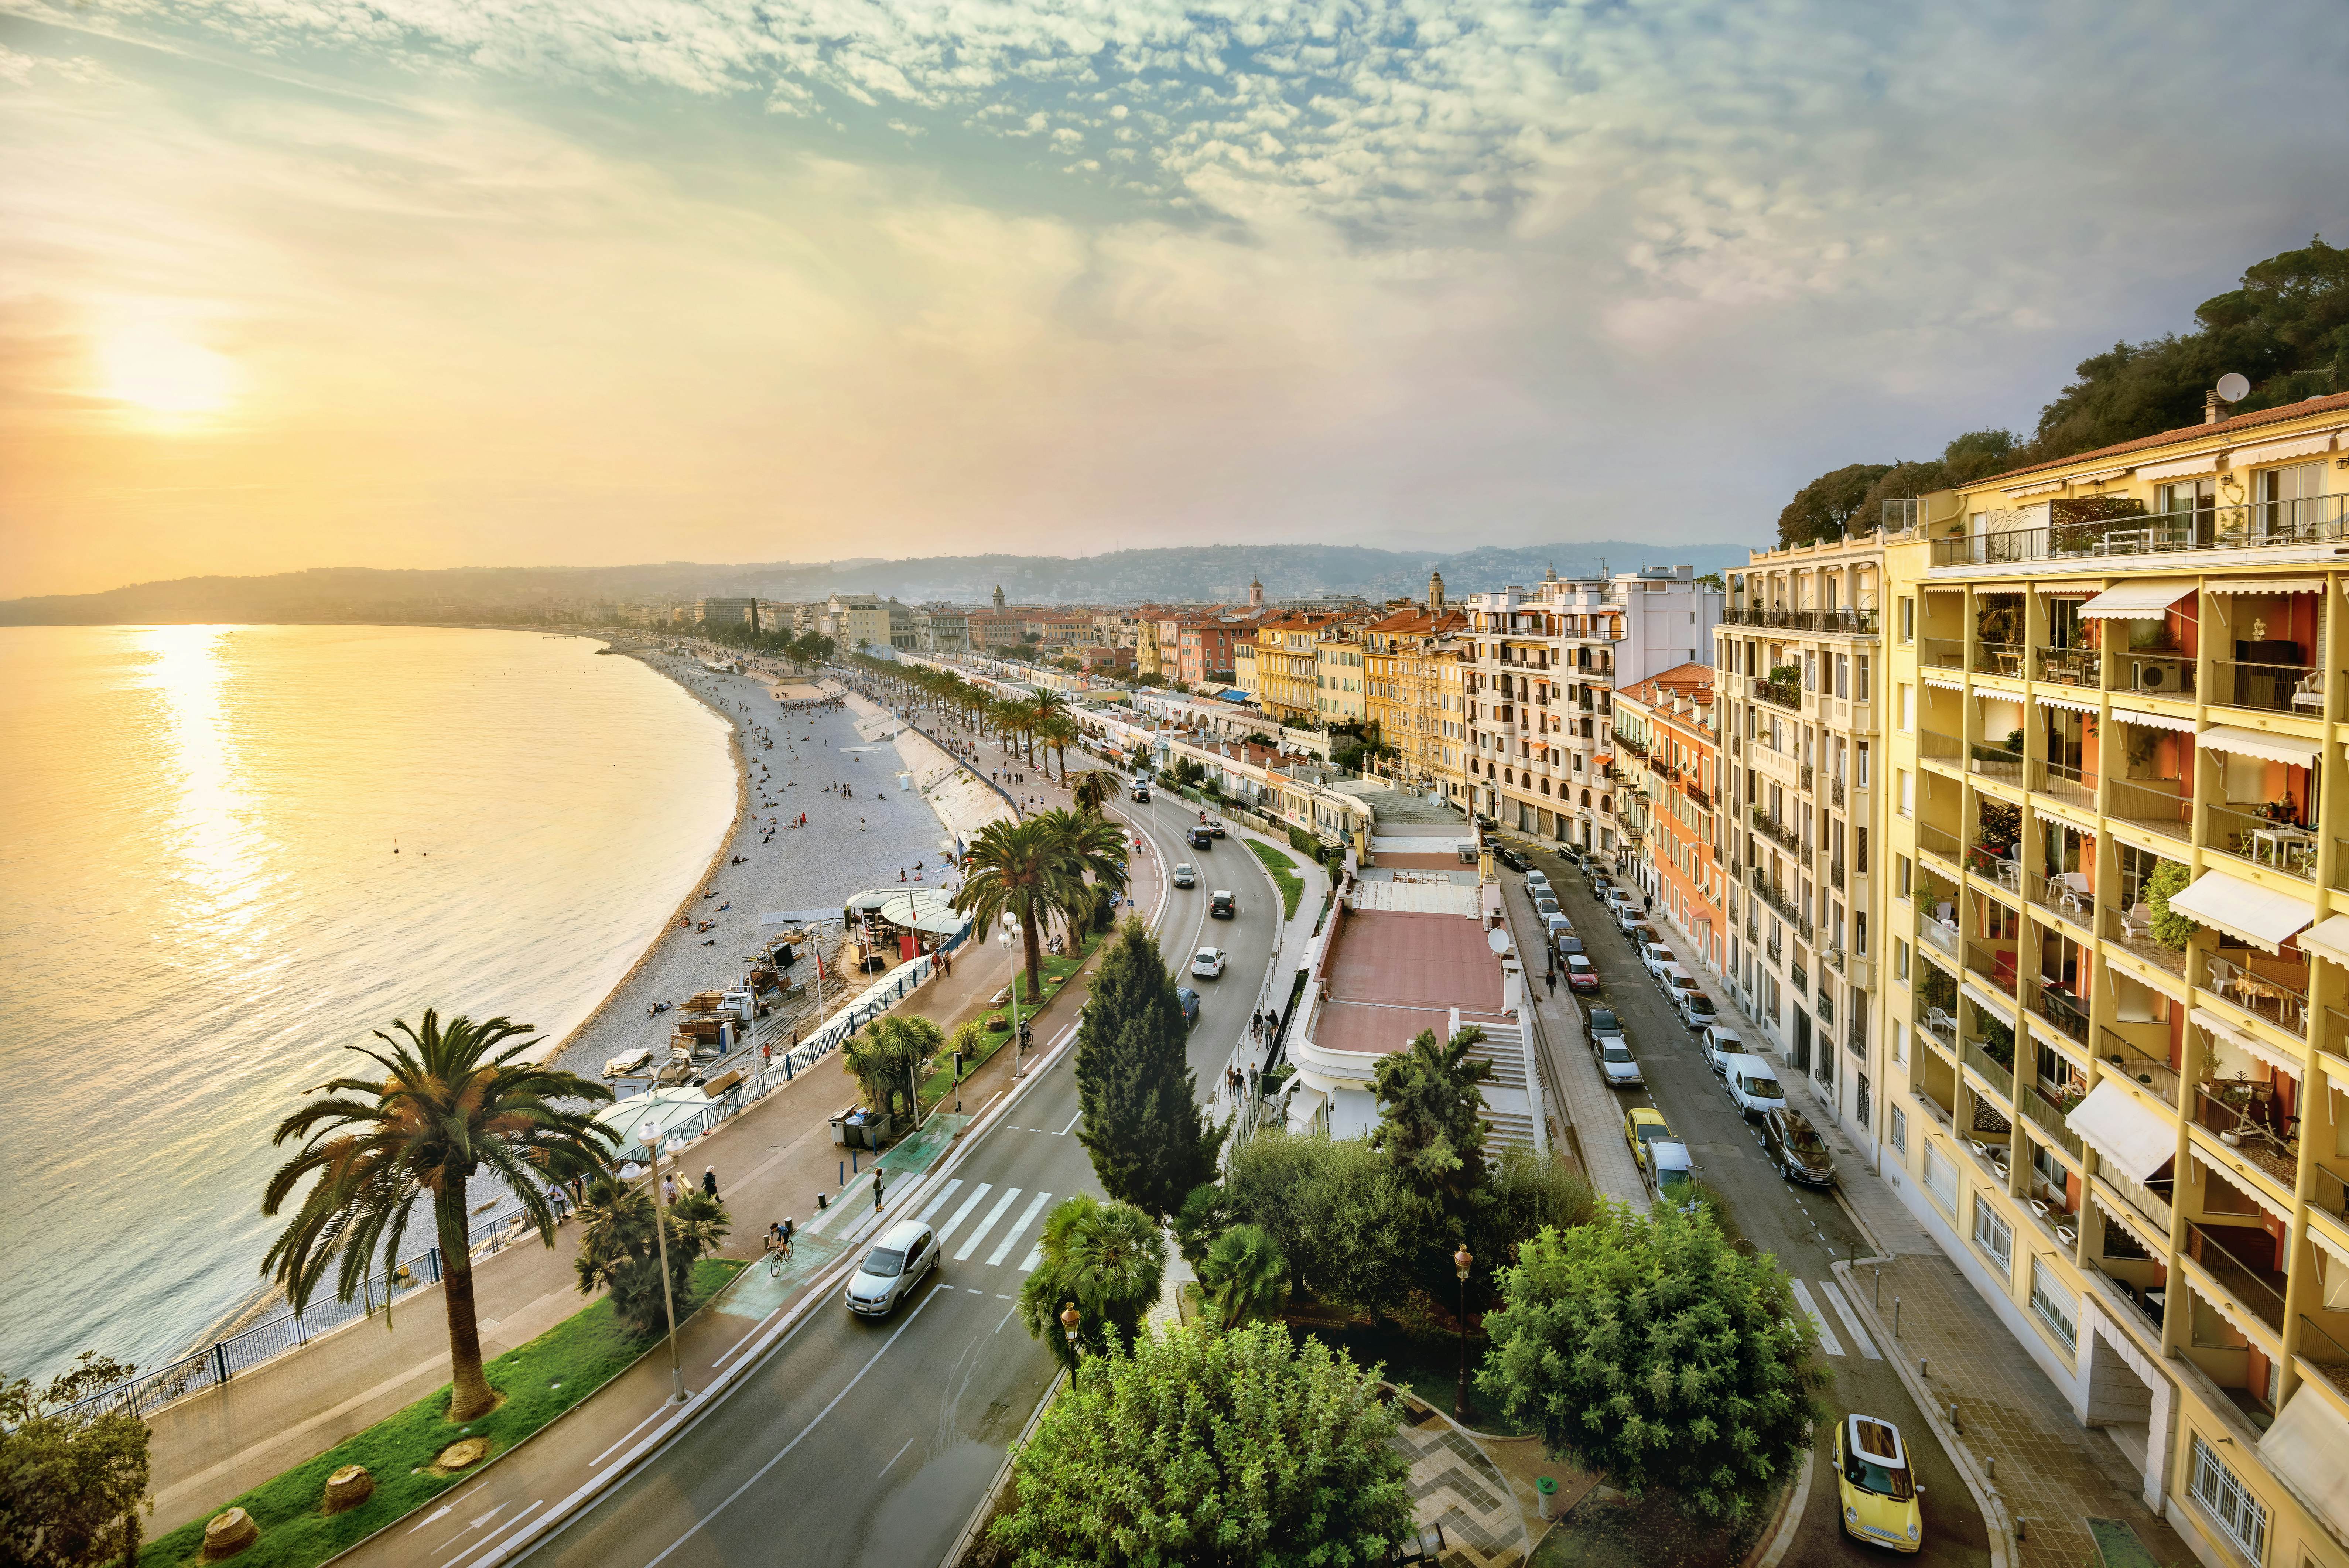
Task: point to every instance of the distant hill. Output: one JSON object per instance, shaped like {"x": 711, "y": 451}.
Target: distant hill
{"x": 1204, "y": 574}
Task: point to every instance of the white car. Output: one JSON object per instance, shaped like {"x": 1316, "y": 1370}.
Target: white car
{"x": 1719, "y": 1046}
{"x": 1186, "y": 876}
{"x": 1655, "y": 956}
{"x": 1752, "y": 1085}
{"x": 905, "y": 1256}
{"x": 1208, "y": 963}
{"x": 1616, "y": 1063}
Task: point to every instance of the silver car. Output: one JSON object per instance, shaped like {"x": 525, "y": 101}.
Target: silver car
{"x": 905, "y": 1255}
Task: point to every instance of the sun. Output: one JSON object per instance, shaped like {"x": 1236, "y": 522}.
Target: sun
{"x": 157, "y": 369}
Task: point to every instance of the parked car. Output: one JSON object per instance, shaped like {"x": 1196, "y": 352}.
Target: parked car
{"x": 1616, "y": 1063}
{"x": 1642, "y": 1125}
{"x": 905, "y": 1256}
{"x": 1568, "y": 945}
{"x": 1535, "y": 876}
{"x": 1794, "y": 1147}
{"x": 1579, "y": 974}
{"x": 1696, "y": 1008}
{"x": 1753, "y": 1086}
{"x": 1221, "y": 904}
{"x": 1719, "y": 1044}
{"x": 1629, "y": 915}
{"x": 1673, "y": 1172}
{"x": 1641, "y": 935}
{"x": 1202, "y": 839}
{"x": 1678, "y": 985}
{"x": 1603, "y": 1023}
{"x": 1873, "y": 1484}
{"x": 1653, "y": 957}
{"x": 1188, "y": 1001}
{"x": 1544, "y": 904}
{"x": 1186, "y": 876}
{"x": 1208, "y": 963}
{"x": 1509, "y": 858}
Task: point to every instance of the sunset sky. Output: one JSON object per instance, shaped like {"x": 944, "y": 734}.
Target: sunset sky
{"x": 418, "y": 282}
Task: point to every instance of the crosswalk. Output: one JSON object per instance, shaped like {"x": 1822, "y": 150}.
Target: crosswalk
{"x": 1828, "y": 1342}
{"x": 959, "y": 1202}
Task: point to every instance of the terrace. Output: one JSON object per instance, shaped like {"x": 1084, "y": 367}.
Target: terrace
{"x": 2075, "y": 533}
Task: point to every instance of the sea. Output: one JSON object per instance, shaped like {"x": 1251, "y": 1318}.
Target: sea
{"x": 229, "y": 852}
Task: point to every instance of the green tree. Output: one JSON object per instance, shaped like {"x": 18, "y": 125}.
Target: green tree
{"x": 2170, "y": 928}
{"x": 1828, "y": 506}
{"x": 1022, "y": 869}
{"x": 1204, "y": 1215}
{"x": 887, "y": 1060}
{"x": 1213, "y": 1449}
{"x": 1355, "y": 1231}
{"x": 71, "y": 1479}
{"x": 1245, "y": 1276}
{"x": 1647, "y": 1349}
{"x": 1432, "y": 1119}
{"x": 1108, "y": 1261}
{"x": 444, "y": 1108}
{"x": 619, "y": 1251}
{"x": 1523, "y": 1192}
{"x": 1096, "y": 787}
{"x": 1149, "y": 1143}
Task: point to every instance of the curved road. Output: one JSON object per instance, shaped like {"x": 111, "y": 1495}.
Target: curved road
{"x": 870, "y": 1443}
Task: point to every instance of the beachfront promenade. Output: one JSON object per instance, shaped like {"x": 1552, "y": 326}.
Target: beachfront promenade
{"x": 771, "y": 1160}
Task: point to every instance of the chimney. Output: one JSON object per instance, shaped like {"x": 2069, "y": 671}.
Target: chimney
{"x": 2213, "y": 407}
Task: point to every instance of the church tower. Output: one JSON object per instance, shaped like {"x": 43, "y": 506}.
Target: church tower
{"x": 1435, "y": 593}
{"x": 1256, "y": 595}
{"x": 998, "y": 596}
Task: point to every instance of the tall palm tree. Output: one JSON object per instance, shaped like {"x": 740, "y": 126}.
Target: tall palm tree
{"x": 1023, "y": 869}
{"x": 444, "y": 1108}
{"x": 1094, "y": 789}
{"x": 1095, "y": 846}
{"x": 1108, "y": 1261}
{"x": 885, "y": 1058}
{"x": 1056, "y": 729}
{"x": 1042, "y": 709}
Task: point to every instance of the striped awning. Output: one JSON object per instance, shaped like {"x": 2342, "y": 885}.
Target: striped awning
{"x": 2179, "y": 468}
{"x": 2044, "y": 487}
{"x": 2261, "y": 916}
{"x": 2145, "y": 601}
{"x": 2077, "y": 704}
{"x": 2067, "y": 590}
{"x": 2237, "y": 741}
{"x": 2330, "y": 937}
{"x": 2249, "y": 1043}
{"x": 2154, "y": 721}
{"x": 2281, "y": 451}
{"x": 1947, "y": 680}
{"x": 2265, "y": 585}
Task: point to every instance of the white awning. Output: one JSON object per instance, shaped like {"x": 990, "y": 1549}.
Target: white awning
{"x": 2067, "y": 590}
{"x": 2077, "y": 704}
{"x": 2120, "y": 1127}
{"x": 2152, "y": 1240}
{"x": 2249, "y": 1043}
{"x": 2243, "y": 742}
{"x": 2279, "y": 450}
{"x": 2136, "y": 601}
{"x": 2044, "y": 487}
{"x": 2330, "y": 937}
{"x": 2265, "y": 585}
{"x": 1945, "y": 587}
{"x": 2179, "y": 468}
{"x": 2266, "y": 919}
{"x": 1948, "y": 681}
{"x": 2248, "y": 1187}
{"x": 2304, "y": 1447}
{"x": 2154, "y": 721}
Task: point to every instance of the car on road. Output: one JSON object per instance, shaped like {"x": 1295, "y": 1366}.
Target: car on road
{"x": 1209, "y": 962}
{"x": 1221, "y": 904}
{"x": 1568, "y": 945}
{"x": 1696, "y": 1008}
{"x": 1202, "y": 839}
{"x": 1616, "y": 1063}
{"x": 1604, "y": 1025}
{"x": 1216, "y": 827}
{"x": 1653, "y": 957}
{"x": 1629, "y": 917}
{"x": 1187, "y": 874}
{"x": 1719, "y": 1044}
{"x": 1555, "y": 927}
{"x": 1873, "y": 1485}
{"x": 1580, "y": 973}
{"x": 1794, "y": 1147}
{"x": 1188, "y": 1001}
{"x": 1672, "y": 1173}
{"x": 1141, "y": 791}
{"x": 1537, "y": 878}
{"x": 1510, "y": 858}
{"x": 1678, "y": 985}
{"x": 905, "y": 1256}
{"x": 1545, "y": 905}
{"x": 1641, "y": 1126}
{"x": 1752, "y": 1085}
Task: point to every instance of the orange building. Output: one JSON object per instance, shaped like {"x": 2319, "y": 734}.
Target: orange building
{"x": 1668, "y": 771}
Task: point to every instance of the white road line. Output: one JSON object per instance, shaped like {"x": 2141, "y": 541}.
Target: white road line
{"x": 1007, "y": 1318}
{"x": 979, "y": 1233}
{"x": 481, "y": 1549}
{"x": 1073, "y": 1123}
{"x": 787, "y": 1447}
{"x": 939, "y": 1201}
{"x": 427, "y": 1519}
{"x": 664, "y": 1410}
{"x": 1859, "y": 1339}
{"x": 1035, "y": 1256}
{"x": 1827, "y": 1340}
{"x": 895, "y": 1457}
{"x": 489, "y": 1516}
{"x": 964, "y": 1212}
{"x": 995, "y": 1259}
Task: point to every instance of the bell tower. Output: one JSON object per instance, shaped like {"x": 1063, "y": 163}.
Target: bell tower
{"x": 1435, "y": 593}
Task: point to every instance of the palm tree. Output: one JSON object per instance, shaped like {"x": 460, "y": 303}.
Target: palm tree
{"x": 618, "y": 1250}
{"x": 1056, "y": 729}
{"x": 885, "y": 1058}
{"x": 1023, "y": 869}
{"x": 1107, "y": 1259}
{"x": 1094, "y": 790}
{"x": 1245, "y": 1276}
{"x": 444, "y": 1108}
{"x": 1044, "y": 707}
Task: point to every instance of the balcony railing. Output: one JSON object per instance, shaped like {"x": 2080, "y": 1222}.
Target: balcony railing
{"x": 1940, "y": 843}
{"x": 2162, "y": 811}
{"x": 1703, "y": 800}
{"x": 1834, "y": 794}
{"x": 2139, "y": 1065}
{"x": 1776, "y": 899}
{"x": 2067, "y": 896}
{"x": 2282, "y": 846}
{"x": 2273, "y": 1148}
{"x": 2318, "y": 520}
{"x": 1941, "y": 652}
{"x": 1626, "y": 743}
{"x": 1843, "y": 622}
{"x": 1999, "y": 658}
{"x": 1777, "y": 832}
{"x": 1807, "y": 777}
{"x": 1931, "y": 933}
{"x": 1935, "y": 747}
{"x": 1784, "y": 694}
{"x": 2273, "y": 688}
{"x": 2046, "y": 1114}
{"x": 1998, "y": 1075}
{"x": 2070, "y": 667}
{"x": 1995, "y": 965}
{"x": 2327, "y": 1354}
{"x": 2235, "y": 1264}
{"x": 1995, "y": 762}
{"x": 2280, "y": 999}
{"x": 2059, "y": 1007}
{"x": 1991, "y": 866}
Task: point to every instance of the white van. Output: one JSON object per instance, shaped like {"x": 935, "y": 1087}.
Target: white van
{"x": 1719, "y": 1044}
{"x": 1752, "y": 1084}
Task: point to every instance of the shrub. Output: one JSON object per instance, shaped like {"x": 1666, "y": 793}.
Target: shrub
{"x": 2171, "y": 931}
{"x": 1354, "y": 1231}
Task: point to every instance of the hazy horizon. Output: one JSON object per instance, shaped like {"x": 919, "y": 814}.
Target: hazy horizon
{"x": 586, "y": 284}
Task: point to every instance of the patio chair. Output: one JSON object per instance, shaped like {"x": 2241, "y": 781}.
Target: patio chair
{"x": 2137, "y": 921}
{"x": 2075, "y": 896}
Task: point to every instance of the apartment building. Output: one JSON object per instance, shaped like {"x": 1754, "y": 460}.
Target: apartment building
{"x": 1664, "y": 730}
{"x": 1799, "y": 654}
{"x": 1403, "y": 689}
{"x": 1337, "y": 660}
{"x": 2118, "y": 853}
{"x": 858, "y": 620}
{"x": 1285, "y": 662}
{"x": 729, "y": 612}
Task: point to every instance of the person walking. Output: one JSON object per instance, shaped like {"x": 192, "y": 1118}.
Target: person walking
{"x": 709, "y": 1182}
{"x": 1552, "y": 978}
{"x": 668, "y": 1190}
{"x": 876, "y": 1191}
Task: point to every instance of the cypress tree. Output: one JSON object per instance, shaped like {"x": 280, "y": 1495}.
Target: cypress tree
{"x": 1148, "y": 1143}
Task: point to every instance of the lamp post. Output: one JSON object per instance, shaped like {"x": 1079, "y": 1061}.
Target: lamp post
{"x": 1461, "y": 1262}
{"x": 1004, "y": 936}
{"x": 1069, "y": 1321}
{"x": 649, "y": 1134}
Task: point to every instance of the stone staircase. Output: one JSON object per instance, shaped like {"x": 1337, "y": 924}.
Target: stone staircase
{"x": 1508, "y": 1099}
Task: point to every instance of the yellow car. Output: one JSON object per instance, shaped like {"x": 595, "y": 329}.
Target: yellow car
{"x": 1878, "y": 1495}
{"x": 1642, "y": 1125}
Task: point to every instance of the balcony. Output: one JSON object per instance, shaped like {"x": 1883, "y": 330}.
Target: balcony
{"x": 1941, "y": 844}
{"x": 2139, "y": 1065}
{"x": 1994, "y": 965}
{"x": 1704, "y": 799}
{"x": 2046, "y": 1112}
{"x": 1776, "y": 899}
{"x": 2073, "y": 786}
{"x": 2067, "y": 896}
{"x": 2275, "y": 996}
{"x": 1626, "y": 743}
{"x": 2322, "y": 519}
{"x": 1995, "y": 762}
{"x": 2155, "y": 807}
{"x": 2241, "y": 1260}
{"x": 2148, "y": 1205}
{"x": 1834, "y": 622}
{"x": 1938, "y": 938}
{"x": 2128, "y": 927}
{"x": 2324, "y": 1357}
{"x": 1799, "y": 978}
{"x": 2277, "y": 845}
{"x": 2155, "y": 674}
{"x": 2053, "y": 1003}
{"x": 1935, "y": 747}
{"x": 1834, "y": 794}
{"x": 1934, "y": 1105}
{"x": 2004, "y": 659}
{"x": 2271, "y": 688}
{"x": 1993, "y": 866}
{"x": 2071, "y": 666}
{"x": 1941, "y": 1029}
{"x": 1776, "y": 832}
{"x": 1998, "y": 1074}
{"x": 2251, "y": 1127}
{"x": 1787, "y": 694}
{"x": 1941, "y": 652}
{"x": 1807, "y": 777}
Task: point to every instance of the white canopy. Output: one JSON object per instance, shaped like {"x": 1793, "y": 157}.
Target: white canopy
{"x": 2304, "y": 1447}
{"x": 2250, "y": 1044}
{"x": 2067, "y": 590}
{"x": 2279, "y": 450}
{"x": 2245, "y": 742}
{"x": 2154, "y": 721}
{"x": 2119, "y": 1126}
{"x": 2147, "y": 600}
{"x": 2262, "y": 918}
{"x": 2331, "y": 938}
{"x": 2077, "y": 704}
{"x": 2266, "y": 584}
{"x": 1948, "y": 680}
{"x": 2179, "y": 468}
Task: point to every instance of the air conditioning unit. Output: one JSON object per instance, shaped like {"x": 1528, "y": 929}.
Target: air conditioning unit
{"x": 2154, "y": 676}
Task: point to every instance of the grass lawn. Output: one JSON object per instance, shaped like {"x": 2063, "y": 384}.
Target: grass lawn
{"x": 1428, "y": 1363}
{"x": 1606, "y": 1529}
{"x": 1284, "y": 875}
{"x": 540, "y": 1381}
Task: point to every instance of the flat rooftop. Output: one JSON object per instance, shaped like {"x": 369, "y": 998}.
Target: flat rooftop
{"x": 1390, "y": 973}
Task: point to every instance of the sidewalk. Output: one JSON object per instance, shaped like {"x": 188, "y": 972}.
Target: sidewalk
{"x": 1591, "y": 1110}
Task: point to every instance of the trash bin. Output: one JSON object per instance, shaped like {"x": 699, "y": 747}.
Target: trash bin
{"x": 1546, "y": 1496}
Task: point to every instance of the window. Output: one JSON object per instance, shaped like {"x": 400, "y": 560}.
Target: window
{"x": 1900, "y": 1044}
{"x": 1908, "y": 793}
{"x": 1842, "y": 676}
{"x": 1859, "y": 935}
{"x": 1940, "y": 1178}
{"x": 2239, "y": 1515}
{"x": 1859, "y": 773}
{"x": 1908, "y": 715}
{"x": 1899, "y": 1132}
{"x": 1993, "y": 1237}
{"x": 1859, "y": 681}
{"x": 2055, "y": 1304}
{"x": 1900, "y": 962}
{"x": 1859, "y": 1087}
{"x": 1900, "y": 876}
{"x": 1908, "y": 620}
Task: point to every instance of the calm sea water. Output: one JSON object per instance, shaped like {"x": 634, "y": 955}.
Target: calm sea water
{"x": 199, "y": 910}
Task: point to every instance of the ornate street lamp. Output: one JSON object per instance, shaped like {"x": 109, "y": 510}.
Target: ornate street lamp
{"x": 1461, "y": 1262}
{"x": 1069, "y": 1321}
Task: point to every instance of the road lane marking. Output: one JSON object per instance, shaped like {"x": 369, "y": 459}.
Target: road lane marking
{"x": 1859, "y": 1339}
{"x": 940, "y": 1201}
{"x": 1073, "y": 1123}
{"x": 1027, "y": 1216}
{"x": 963, "y": 1213}
{"x": 482, "y": 1550}
{"x": 1007, "y": 1318}
{"x": 1827, "y": 1340}
{"x": 640, "y": 1426}
{"x": 894, "y": 1458}
{"x": 489, "y": 1516}
{"x": 1035, "y": 1256}
{"x": 781, "y": 1453}
{"x": 979, "y": 1233}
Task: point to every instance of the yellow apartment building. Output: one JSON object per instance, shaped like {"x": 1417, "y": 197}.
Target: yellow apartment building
{"x": 1404, "y": 687}
{"x": 1287, "y": 663}
{"x": 2117, "y": 856}
{"x": 1339, "y": 667}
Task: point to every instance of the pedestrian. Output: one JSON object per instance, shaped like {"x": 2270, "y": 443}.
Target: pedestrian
{"x": 561, "y": 1200}
{"x": 1552, "y": 978}
{"x": 668, "y": 1189}
{"x": 709, "y": 1182}
{"x": 876, "y": 1191}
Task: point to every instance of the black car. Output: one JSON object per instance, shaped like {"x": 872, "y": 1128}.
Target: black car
{"x": 1794, "y": 1147}
{"x": 1202, "y": 839}
{"x": 1188, "y": 1000}
{"x": 1222, "y": 904}
{"x": 1568, "y": 945}
{"x": 1510, "y": 858}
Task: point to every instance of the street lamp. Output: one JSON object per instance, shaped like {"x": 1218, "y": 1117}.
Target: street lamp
{"x": 1461, "y": 1261}
{"x": 1069, "y": 1321}
{"x": 649, "y": 1134}
{"x": 1004, "y": 936}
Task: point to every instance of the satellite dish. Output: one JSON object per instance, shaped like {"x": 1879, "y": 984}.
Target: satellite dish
{"x": 1497, "y": 940}
{"x": 2233, "y": 389}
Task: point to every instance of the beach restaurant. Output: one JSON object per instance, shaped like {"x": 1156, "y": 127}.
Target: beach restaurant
{"x": 906, "y": 921}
